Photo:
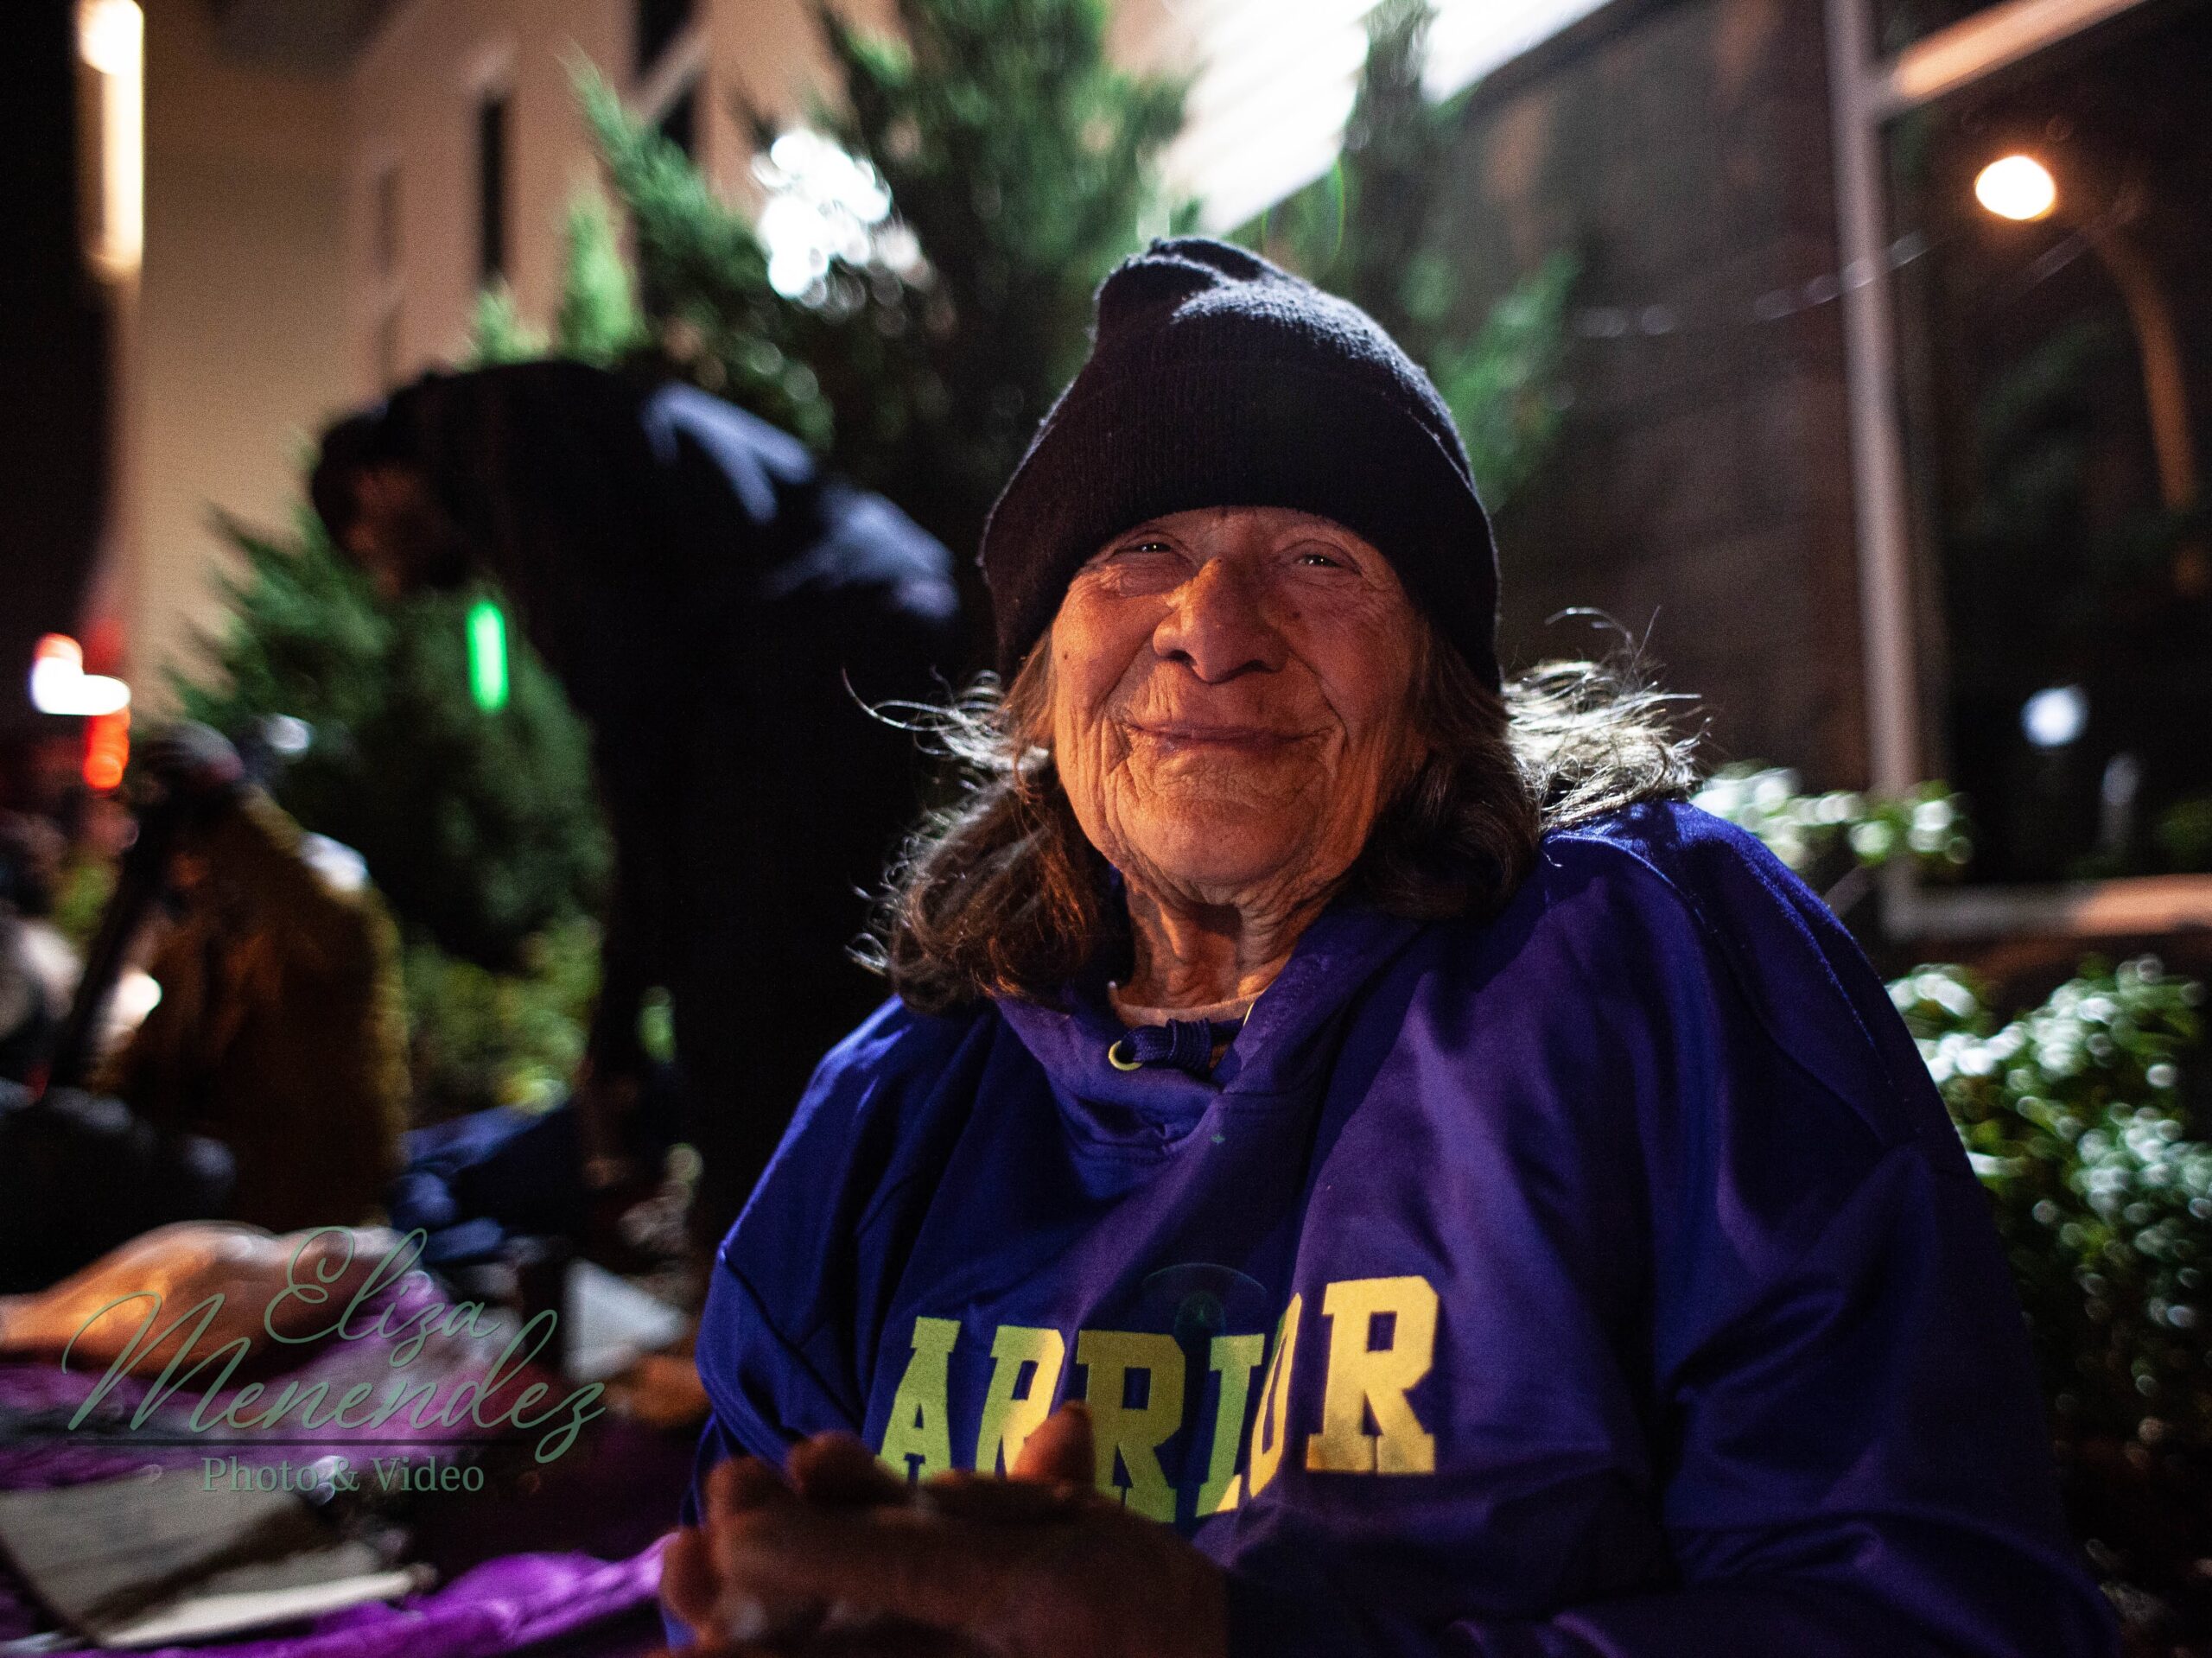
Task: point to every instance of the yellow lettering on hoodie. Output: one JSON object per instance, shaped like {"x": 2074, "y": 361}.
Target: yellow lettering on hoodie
{"x": 1233, "y": 1359}
{"x": 1272, "y": 1423}
{"x": 1134, "y": 1432}
{"x": 1368, "y": 1381}
{"x": 1007, "y": 1421}
{"x": 918, "y": 1439}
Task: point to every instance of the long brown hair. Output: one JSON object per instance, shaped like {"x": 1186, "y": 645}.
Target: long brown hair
{"x": 1001, "y": 894}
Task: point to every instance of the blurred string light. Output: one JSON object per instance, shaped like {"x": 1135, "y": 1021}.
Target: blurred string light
{"x": 111, "y": 40}
{"x": 61, "y": 685}
{"x": 1654, "y": 320}
{"x": 487, "y": 656}
{"x": 107, "y": 749}
{"x": 287, "y": 736}
{"x": 2056, "y": 717}
{"x": 825, "y": 205}
{"x": 1801, "y": 829}
{"x": 2016, "y": 187}
{"x": 137, "y": 993}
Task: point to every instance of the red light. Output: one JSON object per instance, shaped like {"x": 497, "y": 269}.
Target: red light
{"x": 107, "y": 749}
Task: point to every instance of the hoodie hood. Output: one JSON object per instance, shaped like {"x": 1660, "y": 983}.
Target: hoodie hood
{"x": 1282, "y": 1054}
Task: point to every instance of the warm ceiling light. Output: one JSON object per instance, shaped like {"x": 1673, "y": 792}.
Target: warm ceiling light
{"x": 2018, "y": 187}
{"x": 112, "y": 40}
{"x": 61, "y": 685}
{"x": 112, "y": 35}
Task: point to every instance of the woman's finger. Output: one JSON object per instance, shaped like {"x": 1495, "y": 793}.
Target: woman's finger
{"x": 873, "y": 1562}
{"x": 838, "y": 1469}
{"x": 687, "y": 1581}
{"x": 745, "y": 1607}
{"x": 741, "y": 1485}
{"x": 1060, "y": 1449}
{"x": 1003, "y": 1501}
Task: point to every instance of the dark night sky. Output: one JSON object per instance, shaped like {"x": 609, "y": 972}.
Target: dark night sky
{"x": 53, "y": 391}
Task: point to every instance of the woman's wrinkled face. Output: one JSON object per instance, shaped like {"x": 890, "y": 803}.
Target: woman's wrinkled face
{"x": 1232, "y": 703}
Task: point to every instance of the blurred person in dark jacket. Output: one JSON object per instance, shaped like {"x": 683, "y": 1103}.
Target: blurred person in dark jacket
{"x": 280, "y": 1032}
{"x": 721, "y": 612}
{"x": 37, "y": 970}
{"x": 267, "y": 1085}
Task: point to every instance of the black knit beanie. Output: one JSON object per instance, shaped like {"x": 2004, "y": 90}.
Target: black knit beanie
{"x": 1219, "y": 380}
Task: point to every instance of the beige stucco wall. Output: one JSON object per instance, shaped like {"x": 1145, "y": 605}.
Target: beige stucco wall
{"x": 411, "y": 101}
{"x": 239, "y": 331}
{"x": 263, "y": 299}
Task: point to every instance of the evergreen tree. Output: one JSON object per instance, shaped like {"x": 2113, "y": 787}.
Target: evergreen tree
{"x": 599, "y": 321}
{"x": 1362, "y": 233}
{"x": 704, "y": 277}
{"x": 497, "y": 333}
{"x": 476, "y": 826}
{"x": 1365, "y": 230}
{"x": 1012, "y": 163}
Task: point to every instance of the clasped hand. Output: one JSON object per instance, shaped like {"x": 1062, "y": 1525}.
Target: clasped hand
{"x": 846, "y": 1560}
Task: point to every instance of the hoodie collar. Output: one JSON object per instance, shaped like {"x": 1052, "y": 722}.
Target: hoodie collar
{"x": 1284, "y": 1046}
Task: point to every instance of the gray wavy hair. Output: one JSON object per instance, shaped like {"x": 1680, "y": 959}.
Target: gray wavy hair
{"x": 1000, "y": 893}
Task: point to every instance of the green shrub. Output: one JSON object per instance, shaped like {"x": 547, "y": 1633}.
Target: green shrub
{"x": 2076, "y": 1119}
{"x": 1821, "y": 837}
{"x": 479, "y": 1039}
{"x": 1015, "y": 162}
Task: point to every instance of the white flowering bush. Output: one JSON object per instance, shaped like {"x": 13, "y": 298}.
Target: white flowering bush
{"x": 2078, "y": 1119}
{"x": 1818, "y": 835}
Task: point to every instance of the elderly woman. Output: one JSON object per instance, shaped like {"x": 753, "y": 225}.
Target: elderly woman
{"x": 1483, "y": 1205}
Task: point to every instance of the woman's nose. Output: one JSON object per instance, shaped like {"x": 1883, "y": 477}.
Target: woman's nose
{"x": 1218, "y": 626}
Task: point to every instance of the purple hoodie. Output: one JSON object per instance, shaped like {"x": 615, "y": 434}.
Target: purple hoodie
{"x": 1604, "y": 1278}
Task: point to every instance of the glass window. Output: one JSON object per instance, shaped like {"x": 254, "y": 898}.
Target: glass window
{"x": 492, "y": 189}
{"x": 1898, "y": 23}
{"x": 2056, "y": 347}
{"x": 658, "y": 23}
{"x": 679, "y": 125}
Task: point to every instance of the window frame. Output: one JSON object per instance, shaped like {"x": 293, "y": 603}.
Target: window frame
{"x": 381, "y": 266}
{"x": 681, "y": 68}
{"x": 1866, "y": 93}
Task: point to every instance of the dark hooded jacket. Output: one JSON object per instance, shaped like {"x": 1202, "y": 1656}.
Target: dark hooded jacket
{"x": 718, "y": 609}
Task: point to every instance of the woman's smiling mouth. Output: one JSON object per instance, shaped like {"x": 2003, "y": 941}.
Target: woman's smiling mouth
{"x": 1177, "y": 736}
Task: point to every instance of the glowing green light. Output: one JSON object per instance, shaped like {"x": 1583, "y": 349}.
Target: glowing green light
{"x": 487, "y": 656}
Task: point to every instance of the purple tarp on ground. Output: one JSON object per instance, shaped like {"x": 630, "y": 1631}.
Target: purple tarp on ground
{"x": 494, "y": 1607}
{"x": 502, "y": 1605}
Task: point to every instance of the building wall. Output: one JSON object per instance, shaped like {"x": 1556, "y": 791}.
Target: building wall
{"x": 1700, "y": 492}
{"x": 1699, "y": 496}
{"x": 239, "y": 328}
{"x": 267, "y": 302}
{"x": 54, "y": 360}
{"x": 412, "y": 98}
